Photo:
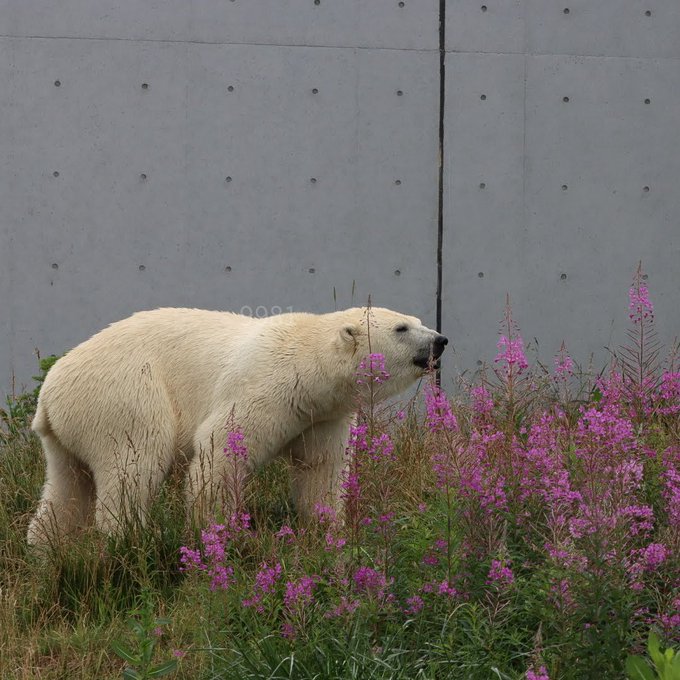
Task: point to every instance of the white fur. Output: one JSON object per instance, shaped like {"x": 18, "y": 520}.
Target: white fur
{"x": 116, "y": 412}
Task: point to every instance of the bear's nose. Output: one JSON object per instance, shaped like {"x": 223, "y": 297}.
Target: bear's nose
{"x": 438, "y": 344}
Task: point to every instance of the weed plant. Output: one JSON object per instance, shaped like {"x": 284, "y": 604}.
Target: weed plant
{"x": 527, "y": 528}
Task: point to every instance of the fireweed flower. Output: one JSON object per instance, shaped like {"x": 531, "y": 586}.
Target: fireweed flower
{"x": 345, "y": 608}
{"x": 235, "y": 447}
{"x": 372, "y": 370}
{"x": 440, "y": 417}
{"x": 371, "y": 582}
{"x": 286, "y": 534}
{"x": 499, "y": 574}
{"x": 299, "y": 593}
{"x": 265, "y": 582}
{"x": 639, "y": 304}
{"x": 511, "y": 352}
{"x": 415, "y": 605}
{"x": 540, "y": 674}
{"x": 215, "y": 542}
{"x": 564, "y": 365}
{"x": 667, "y": 396}
{"x": 671, "y": 488}
{"x": 482, "y": 402}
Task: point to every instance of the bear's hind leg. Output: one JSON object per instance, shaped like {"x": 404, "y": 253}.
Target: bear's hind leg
{"x": 128, "y": 485}
{"x": 67, "y": 502}
{"x": 318, "y": 457}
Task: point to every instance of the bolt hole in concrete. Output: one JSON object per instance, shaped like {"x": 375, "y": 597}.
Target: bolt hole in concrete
{"x": 227, "y": 269}
{"x": 397, "y": 182}
{"x": 648, "y": 13}
{"x": 401, "y": 4}
{"x": 482, "y": 97}
{"x": 227, "y": 179}
{"x": 55, "y": 265}
{"x": 565, "y": 100}
{"x": 143, "y": 177}
{"x": 313, "y": 180}
{"x": 57, "y": 83}
{"x": 400, "y": 93}
{"x": 563, "y": 277}
{"x": 565, "y": 10}
{"x": 482, "y": 185}
{"x": 645, "y": 189}
{"x": 230, "y": 88}
{"x": 55, "y": 173}
{"x": 145, "y": 86}
{"x": 480, "y": 275}
{"x": 141, "y": 267}
{"x": 311, "y": 270}
{"x": 484, "y": 8}
{"x": 648, "y": 101}
{"x": 564, "y": 187}
{"x": 397, "y": 272}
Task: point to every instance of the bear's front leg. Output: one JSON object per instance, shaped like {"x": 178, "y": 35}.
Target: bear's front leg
{"x": 215, "y": 484}
{"x": 319, "y": 461}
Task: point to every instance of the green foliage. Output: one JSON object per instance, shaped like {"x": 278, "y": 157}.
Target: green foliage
{"x": 666, "y": 664}
{"x": 16, "y": 417}
{"x": 147, "y": 630}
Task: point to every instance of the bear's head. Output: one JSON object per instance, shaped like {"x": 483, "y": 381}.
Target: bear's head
{"x": 409, "y": 348}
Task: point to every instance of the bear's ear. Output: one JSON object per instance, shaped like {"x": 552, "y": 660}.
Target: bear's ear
{"x": 349, "y": 333}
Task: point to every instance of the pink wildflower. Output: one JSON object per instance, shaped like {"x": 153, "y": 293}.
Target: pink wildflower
{"x": 511, "y": 351}
{"x": 415, "y": 605}
{"x": 235, "y": 447}
{"x": 639, "y": 304}
{"x": 299, "y": 593}
{"x": 371, "y": 582}
{"x": 540, "y": 674}
{"x": 265, "y": 582}
{"x": 564, "y": 365}
{"x": 372, "y": 370}
{"x": 499, "y": 574}
{"x": 285, "y": 532}
{"x": 346, "y": 607}
{"x": 440, "y": 417}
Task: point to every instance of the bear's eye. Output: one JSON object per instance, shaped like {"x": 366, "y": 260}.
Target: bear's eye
{"x": 401, "y": 329}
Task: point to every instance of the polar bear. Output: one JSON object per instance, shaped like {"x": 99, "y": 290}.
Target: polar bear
{"x": 119, "y": 410}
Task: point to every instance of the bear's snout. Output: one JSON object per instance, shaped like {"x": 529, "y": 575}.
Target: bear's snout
{"x": 429, "y": 358}
{"x": 438, "y": 345}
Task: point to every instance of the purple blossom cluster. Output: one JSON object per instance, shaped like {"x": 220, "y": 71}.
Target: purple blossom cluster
{"x": 372, "y": 370}
{"x": 214, "y": 558}
{"x": 576, "y": 493}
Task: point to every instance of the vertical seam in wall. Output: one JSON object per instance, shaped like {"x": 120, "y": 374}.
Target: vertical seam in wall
{"x": 440, "y": 206}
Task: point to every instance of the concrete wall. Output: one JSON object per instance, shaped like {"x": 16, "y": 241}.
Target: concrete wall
{"x": 281, "y": 154}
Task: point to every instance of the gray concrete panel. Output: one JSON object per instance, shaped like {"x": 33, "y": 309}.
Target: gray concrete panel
{"x": 216, "y": 176}
{"x": 561, "y": 174}
{"x": 612, "y": 28}
{"x": 412, "y": 24}
{"x": 484, "y": 227}
{"x": 494, "y": 26}
{"x": 601, "y": 186}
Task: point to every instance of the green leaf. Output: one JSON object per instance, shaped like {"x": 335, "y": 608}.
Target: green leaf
{"x": 654, "y": 649}
{"x": 131, "y": 674}
{"x": 637, "y": 669}
{"x": 123, "y": 652}
{"x": 163, "y": 669}
{"x": 162, "y": 621}
{"x": 136, "y": 627}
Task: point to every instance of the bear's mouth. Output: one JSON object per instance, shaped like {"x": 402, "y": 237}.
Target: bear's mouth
{"x": 428, "y": 363}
